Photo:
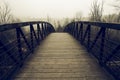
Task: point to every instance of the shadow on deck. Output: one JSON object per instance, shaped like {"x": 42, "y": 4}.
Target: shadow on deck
{"x": 61, "y": 57}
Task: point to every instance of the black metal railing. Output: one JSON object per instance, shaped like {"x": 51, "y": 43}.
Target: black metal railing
{"x": 17, "y": 41}
{"x": 100, "y": 39}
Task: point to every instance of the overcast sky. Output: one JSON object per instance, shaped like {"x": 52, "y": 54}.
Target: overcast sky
{"x": 54, "y": 8}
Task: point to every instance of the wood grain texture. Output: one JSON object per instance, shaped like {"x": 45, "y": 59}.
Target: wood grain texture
{"x": 61, "y": 57}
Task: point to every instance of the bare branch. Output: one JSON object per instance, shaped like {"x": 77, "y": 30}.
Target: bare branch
{"x": 5, "y": 14}
{"x": 96, "y": 11}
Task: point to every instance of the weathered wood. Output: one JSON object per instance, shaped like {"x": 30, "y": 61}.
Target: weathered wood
{"x": 18, "y": 42}
{"x": 98, "y": 44}
{"x": 60, "y": 57}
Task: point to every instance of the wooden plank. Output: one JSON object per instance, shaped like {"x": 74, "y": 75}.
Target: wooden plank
{"x": 61, "y": 57}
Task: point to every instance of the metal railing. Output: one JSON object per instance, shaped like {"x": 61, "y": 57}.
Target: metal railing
{"x": 17, "y": 41}
{"x": 100, "y": 39}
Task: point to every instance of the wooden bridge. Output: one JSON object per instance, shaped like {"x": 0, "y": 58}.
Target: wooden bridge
{"x": 84, "y": 51}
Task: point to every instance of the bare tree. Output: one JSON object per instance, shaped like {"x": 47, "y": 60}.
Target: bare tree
{"x": 116, "y": 5}
{"x": 110, "y": 18}
{"x": 5, "y": 13}
{"x": 7, "y": 17}
{"x": 96, "y": 11}
{"x": 14, "y": 19}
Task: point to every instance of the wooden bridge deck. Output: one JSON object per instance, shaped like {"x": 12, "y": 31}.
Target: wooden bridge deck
{"x": 61, "y": 57}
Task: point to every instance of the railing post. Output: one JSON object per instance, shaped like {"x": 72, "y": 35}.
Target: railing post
{"x": 76, "y": 31}
{"x": 19, "y": 46}
{"x": 102, "y": 46}
{"x": 89, "y": 36}
{"x": 69, "y": 29}
{"x": 38, "y": 32}
{"x": 81, "y": 31}
{"x": 46, "y": 31}
{"x": 43, "y": 33}
{"x": 72, "y": 28}
{"x": 31, "y": 37}
{"x": 44, "y": 28}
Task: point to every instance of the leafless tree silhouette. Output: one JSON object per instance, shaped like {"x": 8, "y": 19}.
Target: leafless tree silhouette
{"x": 117, "y": 6}
{"x": 96, "y": 12}
{"x": 6, "y": 15}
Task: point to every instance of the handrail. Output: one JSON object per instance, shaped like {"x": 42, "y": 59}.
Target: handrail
{"x": 14, "y": 52}
{"x": 102, "y": 24}
{"x": 97, "y": 37}
{"x": 4, "y": 27}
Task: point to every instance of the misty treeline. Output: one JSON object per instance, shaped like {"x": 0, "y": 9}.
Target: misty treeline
{"x": 6, "y": 15}
{"x": 95, "y": 14}
{"x": 97, "y": 9}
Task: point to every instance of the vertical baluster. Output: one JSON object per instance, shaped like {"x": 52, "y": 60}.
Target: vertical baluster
{"x": 72, "y": 26}
{"x": 102, "y": 46}
{"x": 45, "y": 29}
{"x": 76, "y": 30}
{"x": 41, "y": 34}
{"x": 81, "y": 32}
{"x": 69, "y": 29}
{"x": 49, "y": 29}
{"x": 42, "y": 25}
{"x": 89, "y": 36}
{"x": 38, "y": 32}
{"x": 31, "y": 37}
{"x": 19, "y": 45}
